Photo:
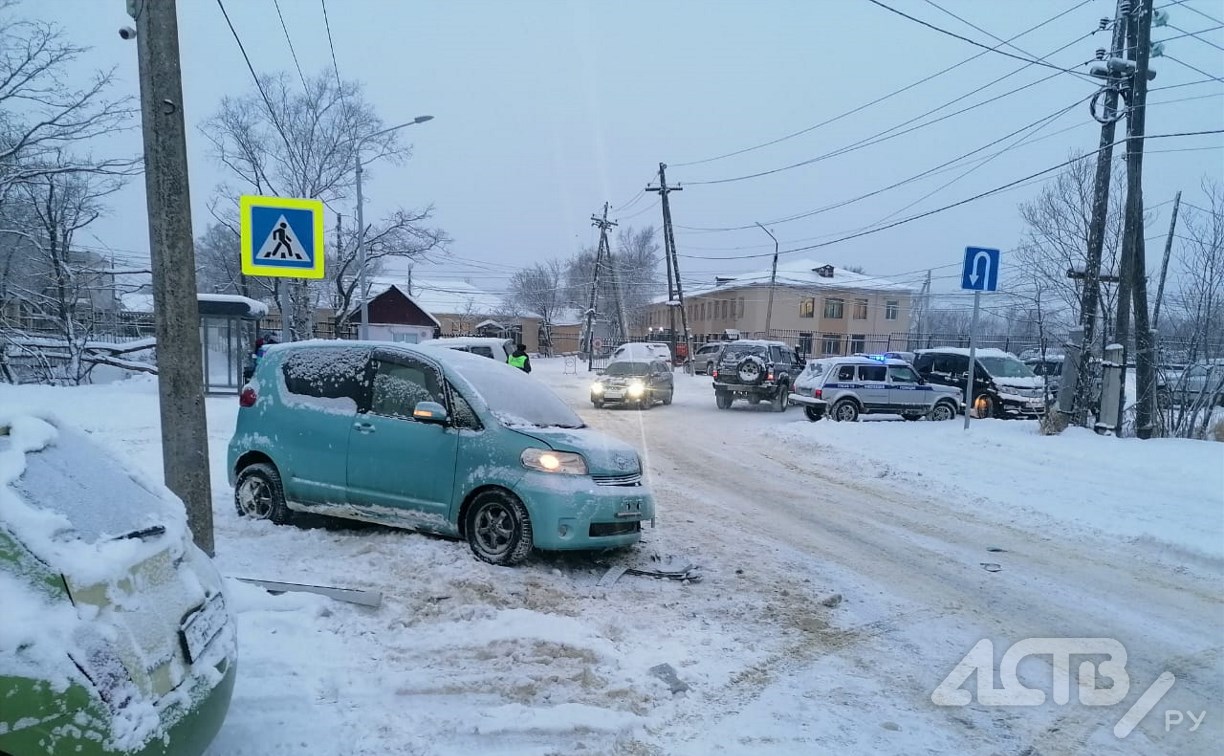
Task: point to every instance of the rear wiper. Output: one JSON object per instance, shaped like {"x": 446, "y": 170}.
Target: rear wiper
{"x": 149, "y": 532}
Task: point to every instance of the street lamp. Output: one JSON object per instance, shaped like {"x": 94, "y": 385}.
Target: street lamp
{"x": 364, "y": 332}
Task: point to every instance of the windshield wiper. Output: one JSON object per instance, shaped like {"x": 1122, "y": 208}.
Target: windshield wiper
{"x": 143, "y": 533}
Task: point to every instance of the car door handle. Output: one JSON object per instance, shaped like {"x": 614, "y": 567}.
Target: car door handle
{"x": 363, "y": 427}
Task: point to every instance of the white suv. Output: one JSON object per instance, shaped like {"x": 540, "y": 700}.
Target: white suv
{"x": 846, "y": 387}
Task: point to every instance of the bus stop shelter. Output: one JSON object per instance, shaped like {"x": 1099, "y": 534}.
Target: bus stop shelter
{"x": 228, "y": 329}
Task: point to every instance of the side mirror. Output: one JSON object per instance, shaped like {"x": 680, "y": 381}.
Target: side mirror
{"x": 430, "y": 412}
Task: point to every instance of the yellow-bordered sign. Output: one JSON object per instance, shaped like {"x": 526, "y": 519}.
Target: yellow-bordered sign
{"x": 281, "y": 236}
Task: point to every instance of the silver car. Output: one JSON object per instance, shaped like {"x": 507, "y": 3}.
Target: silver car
{"x": 846, "y": 387}
{"x": 706, "y": 357}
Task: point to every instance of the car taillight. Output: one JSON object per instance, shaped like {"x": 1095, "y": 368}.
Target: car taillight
{"x": 816, "y": 393}
{"x": 247, "y": 397}
{"x": 769, "y": 377}
{"x": 714, "y": 374}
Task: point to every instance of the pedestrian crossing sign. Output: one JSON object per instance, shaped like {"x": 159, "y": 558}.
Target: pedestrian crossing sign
{"x": 281, "y": 237}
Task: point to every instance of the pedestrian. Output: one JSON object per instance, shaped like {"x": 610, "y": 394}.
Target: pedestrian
{"x": 520, "y": 359}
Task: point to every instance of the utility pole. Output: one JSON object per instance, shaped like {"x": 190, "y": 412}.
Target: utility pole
{"x": 773, "y": 280}
{"x": 1090, "y": 295}
{"x": 669, "y": 243}
{"x": 180, "y": 382}
{"x": 1145, "y": 346}
{"x": 605, "y": 253}
{"x": 362, "y": 288}
{"x": 590, "y": 313}
{"x": 1164, "y": 266}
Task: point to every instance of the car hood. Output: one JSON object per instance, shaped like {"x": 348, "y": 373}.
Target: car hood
{"x": 604, "y": 455}
{"x": 622, "y": 380}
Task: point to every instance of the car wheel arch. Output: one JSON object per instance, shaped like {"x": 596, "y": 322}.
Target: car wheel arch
{"x": 253, "y": 458}
{"x": 472, "y": 495}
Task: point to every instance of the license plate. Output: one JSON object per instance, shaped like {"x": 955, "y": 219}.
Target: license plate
{"x": 630, "y": 508}
{"x": 201, "y": 627}
{"x": 612, "y": 395}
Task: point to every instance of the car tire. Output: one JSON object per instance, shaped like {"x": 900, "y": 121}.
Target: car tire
{"x": 723, "y": 400}
{"x": 813, "y": 413}
{"x": 498, "y": 528}
{"x": 667, "y": 398}
{"x": 709, "y": 368}
{"x": 942, "y": 411}
{"x": 598, "y": 405}
{"x": 259, "y": 495}
{"x": 779, "y": 399}
{"x": 754, "y": 400}
{"x": 845, "y": 411}
{"x": 646, "y": 402}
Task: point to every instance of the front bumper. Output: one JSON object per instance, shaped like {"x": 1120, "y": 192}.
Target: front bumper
{"x": 1013, "y": 406}
{"x": 807, "y": 401}
{"x": 573, "y": 512}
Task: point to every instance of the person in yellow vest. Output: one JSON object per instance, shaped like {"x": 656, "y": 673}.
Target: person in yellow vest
{"x": 520, "y": 359}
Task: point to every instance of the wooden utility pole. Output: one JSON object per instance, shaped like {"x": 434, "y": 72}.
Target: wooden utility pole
{"x": 604, "y": 225}
{"x": 1090, "y": 294}
{"x": 669, "y": 243}
{"x": 1145, "y": 342}
{"x": 180, "y": 382}
{"x": 1164, "y": 266}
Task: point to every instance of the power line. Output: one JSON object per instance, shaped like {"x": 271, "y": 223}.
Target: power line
{"x": 886, "y": 135}
{"x": 975, "y": 43}
{"x": 1194, "y": 34}
{"x": 972, "y": 25}
{"x": 1192, "y": 9}
{"x": 974, "y": 198}
{"x": 331, "y": 45}
{"x": 293, "y": 52}
{"x": 878, "y": 100}
{"x": 1192, "y": 68}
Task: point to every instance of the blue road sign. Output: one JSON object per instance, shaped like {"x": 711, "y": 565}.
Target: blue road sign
{"x": 281, "y": 237}
{"x": 981, "y": 271}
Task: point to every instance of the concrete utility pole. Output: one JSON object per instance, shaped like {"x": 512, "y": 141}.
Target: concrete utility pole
{"x": 604, "y": 225}
{"x": 1145, "y": 343}
{"x": 364, "y": 327}
{"x": 180, "y": 383}
{"x": 1090, "y": 295}
{"x": 773, "y": 280}
{"x": 669, "y": 240}
{"x": 1164, "y": 266}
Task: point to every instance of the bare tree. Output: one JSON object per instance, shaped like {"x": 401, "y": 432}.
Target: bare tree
{"x": 41, "y": 116}
{"x": 1056, "y": 241}
{"x": 65, "y": 288}
{"x": 1201, "y": 280}
{"x": 281, "y": 140}
{"x": 538, "y": 289}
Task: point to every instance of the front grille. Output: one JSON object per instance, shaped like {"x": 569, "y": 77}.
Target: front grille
{"x": 599, "y": 529}
{"x": 632, "y": 479}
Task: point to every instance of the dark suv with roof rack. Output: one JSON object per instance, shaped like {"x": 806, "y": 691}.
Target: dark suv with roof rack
{"x": 757, "y": 371}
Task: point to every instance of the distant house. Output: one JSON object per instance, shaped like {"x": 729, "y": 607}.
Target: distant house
{"x": 397, "y": 316}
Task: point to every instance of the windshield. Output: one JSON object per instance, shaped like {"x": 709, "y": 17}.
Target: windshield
{"x": 1005, "y": 367}
{"x": 514, "y": 397}
{"x": 627, "y": 368}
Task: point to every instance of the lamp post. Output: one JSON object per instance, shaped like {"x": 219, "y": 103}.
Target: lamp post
{"x": 364, "y": 331}
{"x": 773, "y": 279}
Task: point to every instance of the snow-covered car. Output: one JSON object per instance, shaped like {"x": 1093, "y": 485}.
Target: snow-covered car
{"x": 644, "y": 350}
{"x": 845, "y": 387}
{"x": 1003, "y": 386}
{"x": 639, "y": 383}
{"x": 757, "y": 371}
{"x": 114, "y": 632}
{"x": 1200, "y": 384}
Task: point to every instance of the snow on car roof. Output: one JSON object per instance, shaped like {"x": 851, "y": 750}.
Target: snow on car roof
{"x": 859, "y": 360}
{"x": 983, "y": 352}
{"x": 76, "y": 507}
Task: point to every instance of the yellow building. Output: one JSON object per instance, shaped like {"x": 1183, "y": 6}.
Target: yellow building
{"x": 818, "y": 308}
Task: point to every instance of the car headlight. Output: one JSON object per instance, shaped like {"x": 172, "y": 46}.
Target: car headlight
{"x": 549, "y": 461}
{"x": 636, "y": 388}
{"x": 597, "y": 388}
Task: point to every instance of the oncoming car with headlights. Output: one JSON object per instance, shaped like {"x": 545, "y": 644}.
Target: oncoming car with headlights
{"x": 434, "y": 440}
{"x": 638, "y": 383}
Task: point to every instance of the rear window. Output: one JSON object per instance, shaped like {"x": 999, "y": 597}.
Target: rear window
{"x": 743, "y": 350}
{"x": 325, "y": 373}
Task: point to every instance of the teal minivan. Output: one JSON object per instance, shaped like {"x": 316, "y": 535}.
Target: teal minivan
{"x": 433, "y": 440}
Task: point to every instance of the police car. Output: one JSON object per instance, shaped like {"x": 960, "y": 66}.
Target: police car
{"x": 846, "y": 387}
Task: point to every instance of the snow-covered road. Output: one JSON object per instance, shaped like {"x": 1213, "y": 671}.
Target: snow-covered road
{"x": 933, "y": 539}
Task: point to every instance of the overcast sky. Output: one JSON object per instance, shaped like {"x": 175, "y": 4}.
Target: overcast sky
{"x": 546, "y": 109}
